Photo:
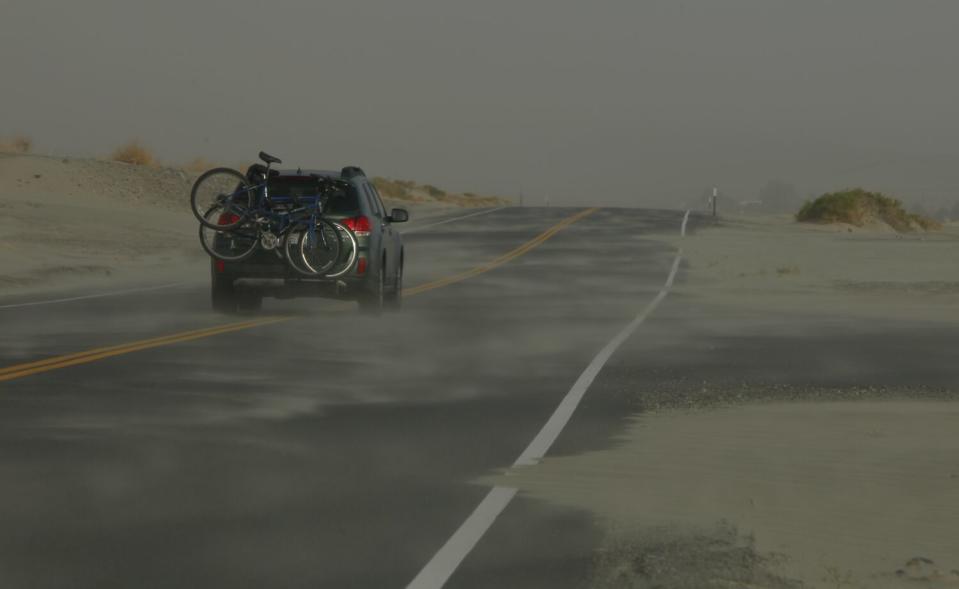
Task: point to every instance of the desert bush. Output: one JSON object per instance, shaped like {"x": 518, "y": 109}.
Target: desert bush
{"x": 859, "y": 207}
{"x": 926, "y": 223}
{"x": 22, "y": 144}
{"x": 19, "y": 144}
{"x": 434, "y": 191}
{"x": 134, "y": 153}
{"x": 393, "y": 188}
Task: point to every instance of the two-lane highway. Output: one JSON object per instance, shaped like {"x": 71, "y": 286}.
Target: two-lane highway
{"x": 311, "y": 446}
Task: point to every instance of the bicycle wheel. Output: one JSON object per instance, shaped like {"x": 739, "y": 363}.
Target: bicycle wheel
{"x": 232, "y": 244}
{"x": 313, "y": 250}
{"x": 348, "y": 252}
{"x": 291, "y": 249}
{"x": 225, "y": 187}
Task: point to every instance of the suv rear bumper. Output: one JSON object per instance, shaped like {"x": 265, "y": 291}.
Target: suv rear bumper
{"x": 274, "y": 278}
{"x": 292, "y": 289}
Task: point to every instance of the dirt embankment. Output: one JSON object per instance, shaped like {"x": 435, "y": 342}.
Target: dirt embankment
{"x": 71, "y": 222}
{"x": 410, "y": 191}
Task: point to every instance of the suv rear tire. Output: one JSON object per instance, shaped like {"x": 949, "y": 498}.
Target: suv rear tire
{"x": 223, "y": 294}
{"x": 393, "y": 300}
{"x": 371, "y": 302}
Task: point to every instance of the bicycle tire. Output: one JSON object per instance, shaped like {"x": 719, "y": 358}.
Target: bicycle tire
{"x": 347, "y": 256}
{"x": 291, "y": 249}
{"x": 317, "y": 260}
{"x": 222, "y": 186}
{"x": 230, "y": 245}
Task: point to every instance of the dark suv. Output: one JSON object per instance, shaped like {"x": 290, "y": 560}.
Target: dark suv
{"x": 376, "y": 277}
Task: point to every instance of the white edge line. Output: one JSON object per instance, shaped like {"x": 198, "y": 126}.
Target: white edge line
{"x": 92, "y": 296}
{"x": 445, "y": 562}
{"x": 476, "y": 214}
{"x": 561, "y": 416}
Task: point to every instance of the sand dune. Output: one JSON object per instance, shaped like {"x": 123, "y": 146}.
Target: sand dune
{"x": 70, "y": 223}
{"x": 776, "y": 264}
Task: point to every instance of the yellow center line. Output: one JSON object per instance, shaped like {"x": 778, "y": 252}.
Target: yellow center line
{"x": 508, "y": 256}
{"x": 56, "y": 362}
{"x": 107, "y": 350}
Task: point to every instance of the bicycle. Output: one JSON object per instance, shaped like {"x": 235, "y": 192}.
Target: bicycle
{"x": 240, "y": 216}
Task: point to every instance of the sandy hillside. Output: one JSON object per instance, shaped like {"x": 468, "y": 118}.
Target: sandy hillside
{"x": 779, "y": 487}
{"x": 72, "y": 223}
{"x": 412, "y": 192}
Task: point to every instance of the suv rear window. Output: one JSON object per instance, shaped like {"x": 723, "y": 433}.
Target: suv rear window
{"x": 294, "y": 186}
{"x": 340, "y": 201}
{"x": 343, "y": 202}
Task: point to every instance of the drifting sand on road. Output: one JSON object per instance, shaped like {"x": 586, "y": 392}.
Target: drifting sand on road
{"x": 847, "y": 492}
{"x": 797, "y": 490}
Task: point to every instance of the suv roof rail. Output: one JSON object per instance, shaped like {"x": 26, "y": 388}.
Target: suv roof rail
{"x": 350, "y": 171}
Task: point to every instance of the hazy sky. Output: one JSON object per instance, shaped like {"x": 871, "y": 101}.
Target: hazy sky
{"x": 613, "y": 102}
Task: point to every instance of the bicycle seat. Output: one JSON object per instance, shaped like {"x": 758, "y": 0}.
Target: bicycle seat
{"x": 269, "y": 158}
{"x": 256, "y": 173}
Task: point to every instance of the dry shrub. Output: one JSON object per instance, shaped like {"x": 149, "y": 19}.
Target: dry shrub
{"x": 134, "y": 153}
{"x": 19, "y": 144}
{"x": 926, "y": 223}
{"x": 22, "y": 144}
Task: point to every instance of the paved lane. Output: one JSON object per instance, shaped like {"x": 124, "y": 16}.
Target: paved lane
{"x": 330, "y": 450}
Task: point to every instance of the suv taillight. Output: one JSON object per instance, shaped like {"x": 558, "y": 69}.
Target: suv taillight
{"x": 358, "y": 225}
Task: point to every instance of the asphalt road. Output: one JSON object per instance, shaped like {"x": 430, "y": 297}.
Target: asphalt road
{"x": 327, "y": 449}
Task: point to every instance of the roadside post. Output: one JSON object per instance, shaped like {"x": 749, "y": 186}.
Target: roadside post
{"x": 714, "y": 199}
